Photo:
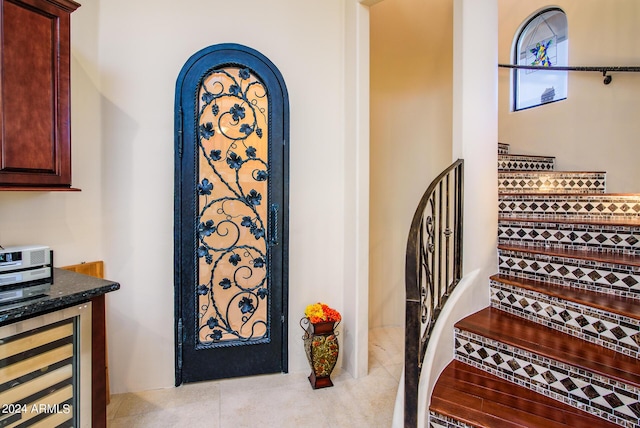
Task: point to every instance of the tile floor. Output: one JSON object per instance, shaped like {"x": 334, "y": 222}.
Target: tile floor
{"x": 280, "y": 400}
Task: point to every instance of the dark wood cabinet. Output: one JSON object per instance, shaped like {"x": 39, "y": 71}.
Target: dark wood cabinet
{"x": 35, "y": 126}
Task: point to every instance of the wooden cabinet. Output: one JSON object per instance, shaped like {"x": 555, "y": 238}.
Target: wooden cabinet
{"x": 35, "y": 127}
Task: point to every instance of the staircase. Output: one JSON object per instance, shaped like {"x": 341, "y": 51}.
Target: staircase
{"x": 559, "y": 345}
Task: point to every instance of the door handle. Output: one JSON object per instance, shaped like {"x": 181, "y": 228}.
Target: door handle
{"x": 273, "y": 223}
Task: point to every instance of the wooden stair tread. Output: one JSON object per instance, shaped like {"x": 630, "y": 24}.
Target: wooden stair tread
{"x": 603, "y": 257}
{"x": 481, "y": 399}
{"x": 475, "y": 397}
{"x": 607, "y": 302}
{"x": 595, "y": 221}
{"x": 503, "y": 327}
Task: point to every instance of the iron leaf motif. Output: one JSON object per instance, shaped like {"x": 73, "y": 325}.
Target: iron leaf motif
{"x": 233, "y": 293}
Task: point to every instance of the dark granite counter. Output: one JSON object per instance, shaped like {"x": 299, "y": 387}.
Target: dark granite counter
{"x": 68, "y": 288}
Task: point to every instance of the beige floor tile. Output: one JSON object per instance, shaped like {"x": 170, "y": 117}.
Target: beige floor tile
{"x": 369, "y": 401}
{"x": 395, "y": 370}
{"x": 261, "y": 383}
{"x": 159, "y": 399}
{"x": 278, "y": 400}
{"x": 200, "y": 414}
{"x": 386, "y": 346}
{"x": 114, "y": 405}
{"x": 281, "y": 407}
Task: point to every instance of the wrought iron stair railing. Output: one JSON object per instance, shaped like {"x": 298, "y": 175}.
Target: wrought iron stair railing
{"x": 433, "y": 268}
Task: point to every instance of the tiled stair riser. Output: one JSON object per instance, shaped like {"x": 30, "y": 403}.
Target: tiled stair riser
{"x": 525, "y": 163}
{"x": 621, "y": 280}
{"x": 550, "y": 182}
{"x": 575, "y": 196}
{"x": 613, "y": 331}
{"x": 437, "y": 420}
{"x": 571, "y": 206}
{"x": 607, "y": 398}
{"x": 600, "y": 238}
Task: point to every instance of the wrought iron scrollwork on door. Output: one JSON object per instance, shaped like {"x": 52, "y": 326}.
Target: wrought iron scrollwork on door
{"x": 233, "y": 218}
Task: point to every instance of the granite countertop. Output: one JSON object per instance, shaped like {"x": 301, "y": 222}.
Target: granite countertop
{"x": 68, "y": 288}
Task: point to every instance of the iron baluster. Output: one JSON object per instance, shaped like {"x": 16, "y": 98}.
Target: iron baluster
{"x": 447, "y": 242}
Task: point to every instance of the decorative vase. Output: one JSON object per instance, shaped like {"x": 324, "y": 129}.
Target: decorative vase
{"x": 321, "y": 347}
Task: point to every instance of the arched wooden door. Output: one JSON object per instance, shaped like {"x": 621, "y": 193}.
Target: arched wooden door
{"x": 231, "y": 209}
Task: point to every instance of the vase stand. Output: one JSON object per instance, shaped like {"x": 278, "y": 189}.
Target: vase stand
{"x": 318, "y": 382}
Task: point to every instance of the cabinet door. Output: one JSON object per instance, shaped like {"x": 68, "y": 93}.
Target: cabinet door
{"x": 35, "y": 138}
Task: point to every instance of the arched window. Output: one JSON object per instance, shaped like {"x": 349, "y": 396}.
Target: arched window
{"x": 543, "y": 41}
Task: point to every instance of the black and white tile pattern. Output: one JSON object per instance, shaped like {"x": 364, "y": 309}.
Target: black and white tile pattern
{"x": 503, "y": 149}
{"x": 525, "y": 163}
{"x": 551, "y": 182}
{"x": 617, "y": 332}
{"x": 530, "y": 221}
{"x": 618, "y": 279}
{"x": 596, "y": 237}
{"x": 599, "y": 395}
{"x": 436, "y": 420}
{"x": 571, "y": 206}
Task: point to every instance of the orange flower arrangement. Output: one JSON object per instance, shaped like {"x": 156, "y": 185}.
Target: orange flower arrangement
{"x": 320, "y": 312}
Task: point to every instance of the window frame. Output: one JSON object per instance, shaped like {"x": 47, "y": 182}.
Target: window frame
{"x": 524, "y": 27}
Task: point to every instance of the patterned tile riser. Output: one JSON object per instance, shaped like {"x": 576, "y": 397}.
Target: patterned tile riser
{"x": 503, "y": 149}
{"x": 437, "y": 420}
{"x": 562, "y": 382}
{"x": 551, "y": 182}
{"x": 573, "y": 206}
{"x": 520, "y": 163}
{"x": 616, "y": 332}
{"x": 621, "y": 280}
{"x": 606, "y": 239}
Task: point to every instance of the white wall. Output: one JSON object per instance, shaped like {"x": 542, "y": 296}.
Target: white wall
{"x": 596, "y": 128}
{"x": 142, "y": 52}
{"x": 475, "y": 133}
{"x": 126, "y": 57}
{"x": 411, "y": 134}
{"x": 474, "y": 137}
{"x": 356, "y": 198}
{"x": 69, "y": 222}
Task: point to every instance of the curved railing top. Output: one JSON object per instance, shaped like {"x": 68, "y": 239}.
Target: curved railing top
{"x": 412, "y": 288}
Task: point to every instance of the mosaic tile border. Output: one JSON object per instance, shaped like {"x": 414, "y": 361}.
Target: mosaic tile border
{"x": 551, "y": 182}
{"x": 616, "y": 332}
{"x": 574, "y": 206}
{"x": 503, "y": 148}
{"x": 436, "y": 420}
{"x": 525, "y": 163}
{"x": 621, "y": 280}
{"x": 606, "y": 398}
{"x": 595, "y": 237}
